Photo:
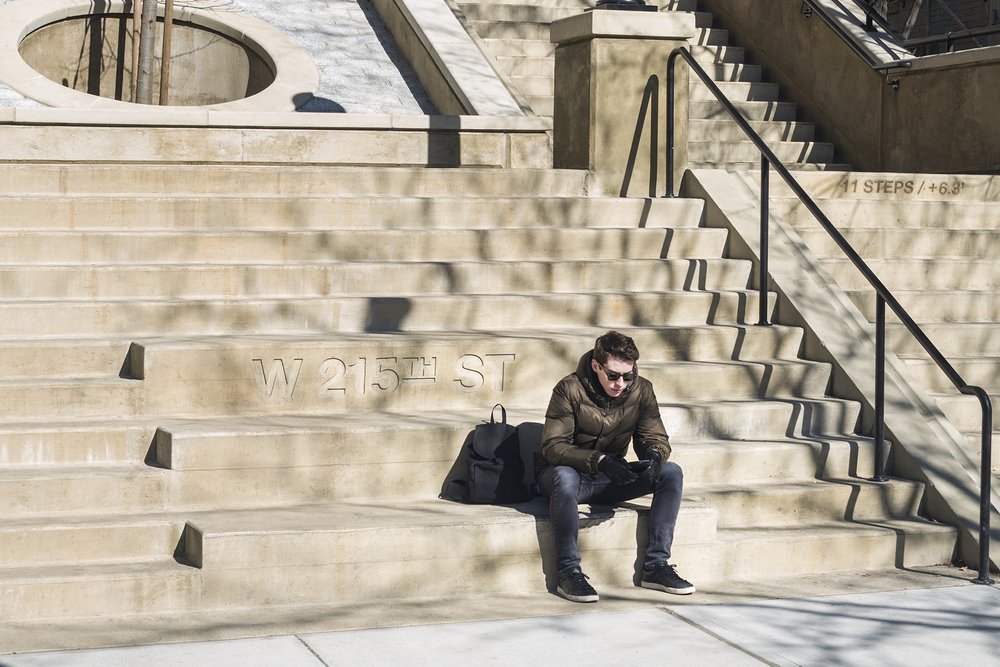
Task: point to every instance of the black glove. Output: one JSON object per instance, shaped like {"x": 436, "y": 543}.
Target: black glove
{"x": 655, "y": 462}
{"x": 617, "y": 470}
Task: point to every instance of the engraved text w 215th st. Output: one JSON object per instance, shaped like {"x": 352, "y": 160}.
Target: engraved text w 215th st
{"x": 469, "y": 373}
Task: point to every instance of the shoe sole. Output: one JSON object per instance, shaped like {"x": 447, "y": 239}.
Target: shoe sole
{"x": 666, "y": 589}
{"x": 577, "y": 598}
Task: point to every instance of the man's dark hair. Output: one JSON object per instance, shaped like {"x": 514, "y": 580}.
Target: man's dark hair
{"x": 614, "y": 344}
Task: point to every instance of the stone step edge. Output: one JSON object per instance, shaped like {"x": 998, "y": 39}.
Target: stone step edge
{"x": 235, "y": 623}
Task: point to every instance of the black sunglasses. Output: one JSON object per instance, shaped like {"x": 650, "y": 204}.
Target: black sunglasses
{"x": 613, "y": 377}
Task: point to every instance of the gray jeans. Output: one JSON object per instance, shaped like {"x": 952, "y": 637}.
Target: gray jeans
{"x": 567, "y": 488}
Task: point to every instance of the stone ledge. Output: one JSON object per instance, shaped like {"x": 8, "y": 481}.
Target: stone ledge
{"x": 295, "y": 73}
{"x": 245, "y": 118}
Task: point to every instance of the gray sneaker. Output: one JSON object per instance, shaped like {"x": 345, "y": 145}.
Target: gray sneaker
{"x": 574, "y": 587}
{"x": 664, "y": 577}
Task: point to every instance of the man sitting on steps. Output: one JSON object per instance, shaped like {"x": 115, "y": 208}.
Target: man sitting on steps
{"x": 592, "y": 415}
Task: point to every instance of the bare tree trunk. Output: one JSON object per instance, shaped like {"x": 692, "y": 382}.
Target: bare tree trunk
{"x": 135, "y": 50}
{"x": 168, "y": 33}
{"x": 147, "y": 40}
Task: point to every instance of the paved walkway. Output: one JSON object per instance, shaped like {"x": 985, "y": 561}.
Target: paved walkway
{"x": 360, "y": 69}
{"x": 956, "y": 625}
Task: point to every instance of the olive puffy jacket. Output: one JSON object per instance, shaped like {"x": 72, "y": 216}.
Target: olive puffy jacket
{"x": 582, "y": 422}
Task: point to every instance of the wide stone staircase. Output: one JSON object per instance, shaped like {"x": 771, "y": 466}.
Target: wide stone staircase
{"x": 516, "y": 34}
{"x": 239, "y": 389}
{"x": 933, "y": 240}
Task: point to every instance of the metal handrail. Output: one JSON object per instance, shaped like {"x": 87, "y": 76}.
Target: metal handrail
{"x": 848, "y": 38}
{"x": 768, "y": 158}
{"x": 873, "y": 17}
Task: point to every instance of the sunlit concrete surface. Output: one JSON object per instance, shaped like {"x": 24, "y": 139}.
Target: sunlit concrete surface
{"x": 360, "y": 68}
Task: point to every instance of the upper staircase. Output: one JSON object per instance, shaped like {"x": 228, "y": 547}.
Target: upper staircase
{"x": 516, "y": 34}
{"x": 933, "y": 240}
{"x": 235, "y": 390}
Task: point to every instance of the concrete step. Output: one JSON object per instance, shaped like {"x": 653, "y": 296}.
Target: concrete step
{"x": 966, "y": 413}
{"x": 952, "y": 338}
{"x": 533, "y": 86}
{"x": 27, "y": 359}
{"x": 331, "y": 140}
{"x": 38, "y": 359}
{"x": 727, "y": 130}
{"x": 759, "y": 420}
{"x": 908, "y": 243}
{"x": 572, "y": 4}
{"x": 543, "y": 105}
{"x": 265, "y": 558}
{"x": 284, "y": 180}
{"x": 974, "y": 440}
{"x": 842, "y": 546}
{"x": 359, "y": 278}
{"x": 755, "y": 91}
{"x": 251, "y": 561}
{"x": 68, "y": 540}
{"x": 306, "y": 280}
{"x": 754, "y": 166}
{"x": 943, "y": 273}
{"x": 233, "y": 623}
{"x": 936, "y": 305}
{"x": 717, "y": 53}
{"x": 977, "y": 370}
{"x": 83, "y": 491}
{"x": 29, "y": 213}
{"x": 511, "y": 29}
{"x": 706, "y": 36}
{"x": 143, "y": 587}
{"x": 895, "y": 213}
{"x": 535, "y": 48}
{"x": 527, "y": 66}
{"x": 728, "y": 71}
{"x": 75, "y": 442}
{"x": 806, "y": 502}
{"x": 538, "y": 243}
{"x": 746, "y": 151}
{"x": 294, "y": 442}
{"x": 509, "y": 12}
{"x": 713, "y": 110}
{"x": 189, "y": 316}
{"x": 29, "y": 400}
{"x": 305, "y": 376}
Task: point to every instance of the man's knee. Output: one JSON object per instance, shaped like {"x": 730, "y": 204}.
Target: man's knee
{"x": 670, "y": 474}
{"x": 565, "y": 480}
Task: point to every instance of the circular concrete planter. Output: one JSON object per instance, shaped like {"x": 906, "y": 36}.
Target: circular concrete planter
{"x": 77, "y": 54}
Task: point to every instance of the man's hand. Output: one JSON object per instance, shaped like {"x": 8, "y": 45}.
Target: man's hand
{"x": 617, "y": 469}
{"x": 655, "y": 462}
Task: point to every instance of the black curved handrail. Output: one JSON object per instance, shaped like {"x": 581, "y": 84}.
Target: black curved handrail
{"x": 768, "y": 158}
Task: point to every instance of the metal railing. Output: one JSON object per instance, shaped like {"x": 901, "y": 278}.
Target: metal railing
{"x": 874, "y": 21}
{"x": 884, "y": 296}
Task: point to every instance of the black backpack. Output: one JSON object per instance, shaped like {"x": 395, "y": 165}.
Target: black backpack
{"x": 494, "y": 467}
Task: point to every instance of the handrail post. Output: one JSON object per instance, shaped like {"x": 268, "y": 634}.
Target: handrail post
{"x": 880, "y": 475}
{"x": 764, "y": 219}
{"x": 985, "y": 481}
{"x": 671, "y": 61}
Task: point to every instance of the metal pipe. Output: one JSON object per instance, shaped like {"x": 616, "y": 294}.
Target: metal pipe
{"x": 671, "y": 61}
{"x": 880, "y": 475}
{"x": 764, "y": 219}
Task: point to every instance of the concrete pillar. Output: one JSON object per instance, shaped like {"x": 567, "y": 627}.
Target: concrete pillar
{"x": 603, "y": 61}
